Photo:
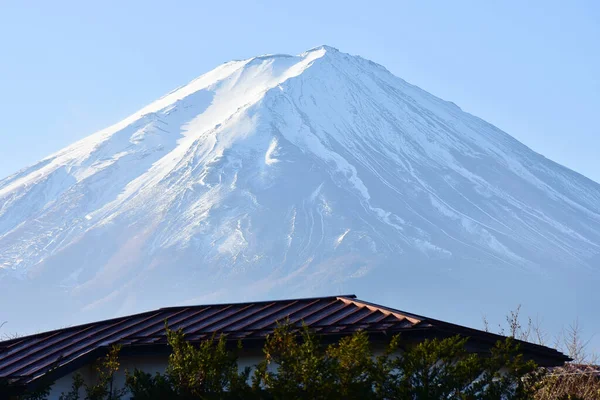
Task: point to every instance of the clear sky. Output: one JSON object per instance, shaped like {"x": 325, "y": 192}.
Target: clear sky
{"x": 69, "y": 68}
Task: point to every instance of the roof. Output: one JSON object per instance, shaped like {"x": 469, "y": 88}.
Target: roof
{"x": 25, "y": 359}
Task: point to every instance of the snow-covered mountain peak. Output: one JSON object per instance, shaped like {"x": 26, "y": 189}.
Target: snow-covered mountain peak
{"x": 304, "y": 174}
{"x": 325, "y": 48}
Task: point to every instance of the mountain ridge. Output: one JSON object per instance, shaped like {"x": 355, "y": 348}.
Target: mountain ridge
{"x": 280, "y": 174}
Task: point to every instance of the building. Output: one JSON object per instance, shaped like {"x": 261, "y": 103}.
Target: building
{"x": 57, "y": 355}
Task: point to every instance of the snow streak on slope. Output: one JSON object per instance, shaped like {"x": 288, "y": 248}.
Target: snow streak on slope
{"x": 283, "y": 174}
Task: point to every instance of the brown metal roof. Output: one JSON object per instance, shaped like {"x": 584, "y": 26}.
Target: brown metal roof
{"x": 25, "y": 359}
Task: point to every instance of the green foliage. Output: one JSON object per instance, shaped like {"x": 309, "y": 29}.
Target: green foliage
{"x": 38, "y": 394}
{"x": 103, "y": 389}
{"x": 354, "y": 370}
{"x": 303, "y": 369}
{"x": 297, "y": 366}
{"x": 144, "y": 386}
{"x": 506, "y": 374}
{"x": 76, "y": 386}
{"x": 205, "y": 371}
{"x": 432, "y": 369}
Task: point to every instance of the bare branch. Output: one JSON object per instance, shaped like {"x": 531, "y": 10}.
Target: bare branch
{"x": 514, "y": 325}
{"x": 540, "y": 334}
{"x": 486, "y": 324}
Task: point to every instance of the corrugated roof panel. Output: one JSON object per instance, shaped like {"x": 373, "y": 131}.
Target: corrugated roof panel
{"x": 294, "y": 317}
{"x": 225, "y": 325}
{"x": 335, "y": 317}
{"x": 305, "y": 313}
{"x": 279, "y": 311}
{"x": 362, "y": 313}
{"x": 192, "y": 314}
{"x": 320, "y": 314}
{"x": 337, "y": 321}
{"x": 222, "y": 315}
{"x": 80, "y": 342}
{"x": 258, "y": 310}
{"x": 377, "y": 316}
{"x": 190, "y": 326}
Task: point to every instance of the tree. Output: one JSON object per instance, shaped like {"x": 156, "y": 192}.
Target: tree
{"x": 104, "y": 388}
{"x": 205, "y": 371}
{"x": 297, "y": 366}
{"x": 303, "y": 369}
{"x": 432, "y": 369}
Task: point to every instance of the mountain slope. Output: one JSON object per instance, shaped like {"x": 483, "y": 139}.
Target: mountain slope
{"x": 283, "y": 175}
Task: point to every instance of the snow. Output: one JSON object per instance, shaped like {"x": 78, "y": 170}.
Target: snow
{"x": 340, "y": 238}
{"x": 271, "y": 151}
{"x": 246, "y": 181}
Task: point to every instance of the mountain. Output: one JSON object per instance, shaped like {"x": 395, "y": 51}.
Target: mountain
{"x": 285, "y": 176}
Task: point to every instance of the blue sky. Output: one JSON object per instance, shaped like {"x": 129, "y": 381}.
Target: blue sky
{"x": 69, "y": 68}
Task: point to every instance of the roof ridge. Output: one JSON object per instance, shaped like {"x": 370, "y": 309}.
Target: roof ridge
{"x": 349, "y": 296}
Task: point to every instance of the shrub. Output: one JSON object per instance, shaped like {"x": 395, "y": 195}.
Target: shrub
{"x": 297, "y": 366}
